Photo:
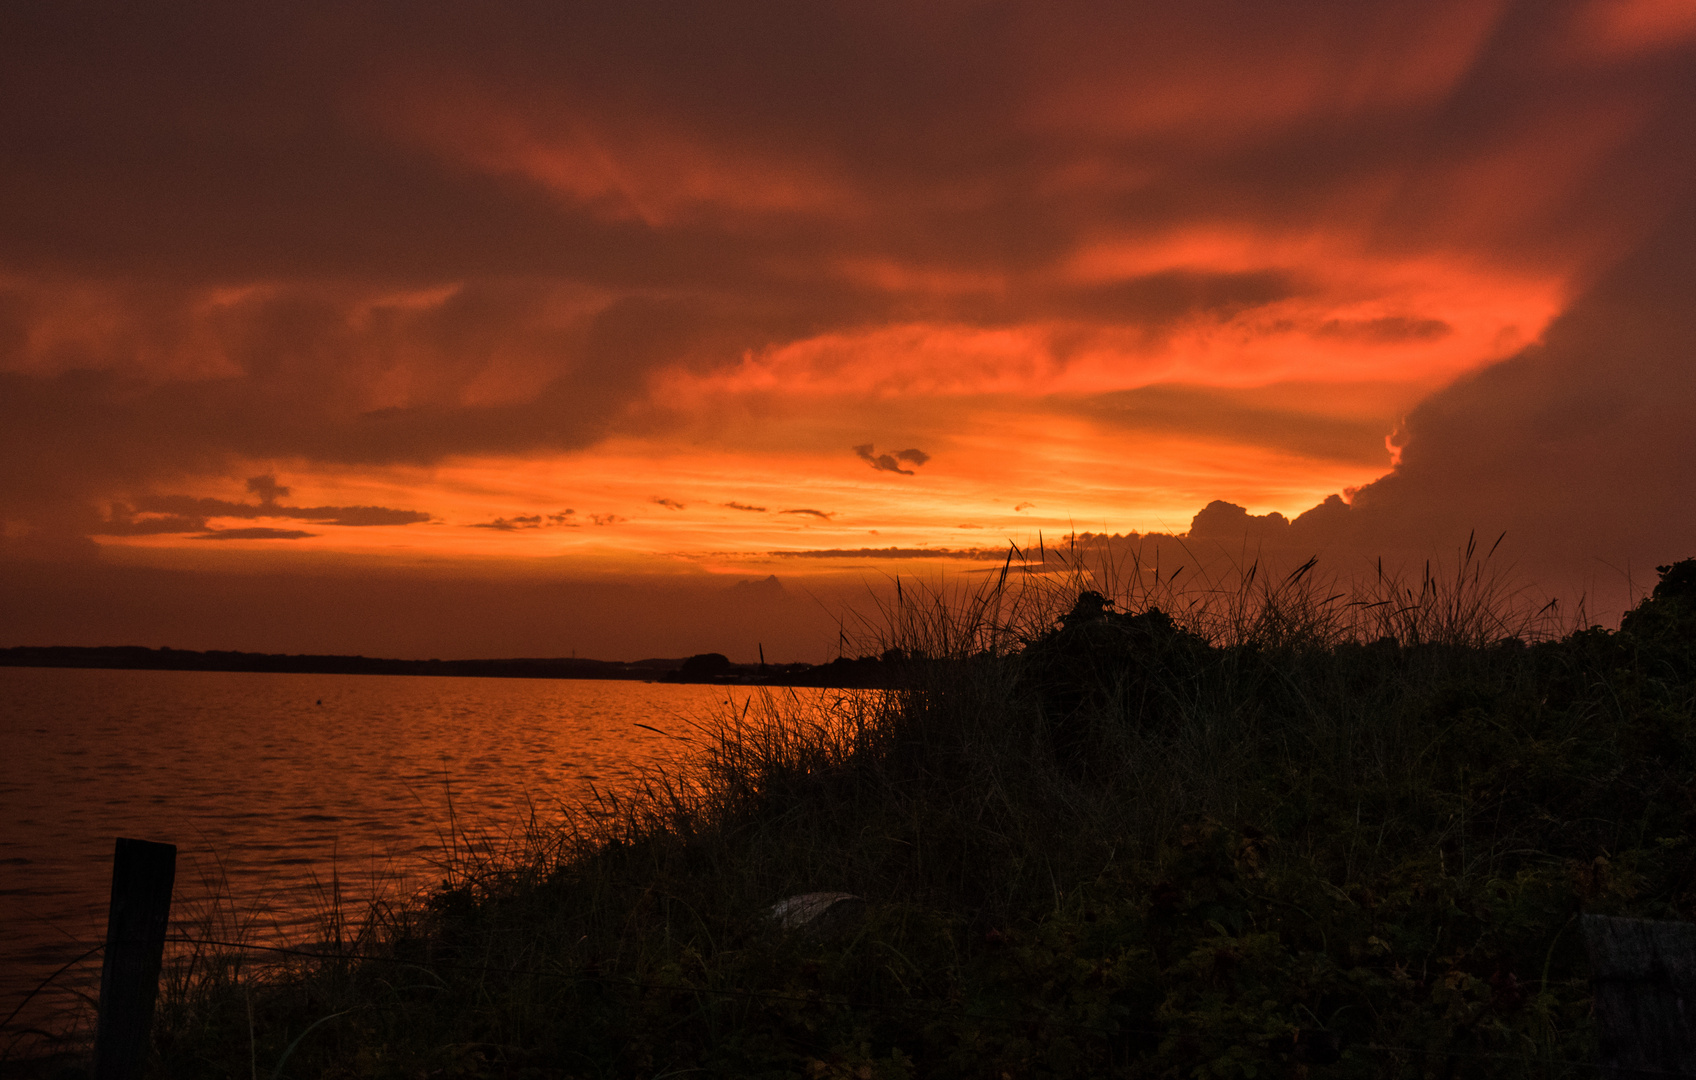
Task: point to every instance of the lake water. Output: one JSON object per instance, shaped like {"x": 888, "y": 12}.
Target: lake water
{"x": 272, "y": 785}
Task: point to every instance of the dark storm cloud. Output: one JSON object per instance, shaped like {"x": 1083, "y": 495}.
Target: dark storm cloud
{"x": 217, "y": 222}
{"x": 1585, "y": 443}
{"x": 669, "y": 504}
{"x": 153, "y": 131}
{"x": 1581, "y": 450}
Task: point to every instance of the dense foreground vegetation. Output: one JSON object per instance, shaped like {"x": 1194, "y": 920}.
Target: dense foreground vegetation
{"x": 1265, "y": 831}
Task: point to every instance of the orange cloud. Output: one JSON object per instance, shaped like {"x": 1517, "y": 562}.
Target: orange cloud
{"x": 1209, "y": 75}
{"x": 623, "y": 168}
{"x": 1104, "y": 265}
{"x": 1616, "y": 29}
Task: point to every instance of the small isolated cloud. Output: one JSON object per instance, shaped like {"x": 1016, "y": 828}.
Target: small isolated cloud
{"x": 669, "y": 504}
{"x": 967, "y": 525}
{"x": 750, "y": 509}
{"x": 267, "y": 488}
{"x": 563, "y": 519}
{"x": 253, "y": 534}
{"x": 891, "y": 462}
{"x": 1022, "y": 507}
{"x": 820, "y": 514}
{"x": 511, "y": 524}
{"x": 607, "y": 519}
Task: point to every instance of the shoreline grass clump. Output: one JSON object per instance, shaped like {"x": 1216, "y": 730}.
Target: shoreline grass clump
{"x": 1108, "y": 824}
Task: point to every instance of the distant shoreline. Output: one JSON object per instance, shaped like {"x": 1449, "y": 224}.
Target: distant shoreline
{"x": 864, "y": 672}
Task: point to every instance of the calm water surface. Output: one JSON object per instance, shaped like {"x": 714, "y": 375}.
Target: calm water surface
{"x": 271, "y": 785}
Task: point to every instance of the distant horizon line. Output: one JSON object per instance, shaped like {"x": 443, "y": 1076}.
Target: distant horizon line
{"x": 9, "y": 653}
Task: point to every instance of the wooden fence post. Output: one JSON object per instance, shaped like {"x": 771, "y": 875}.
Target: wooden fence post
{"x": 142, "y": 876}
{"x": 1643, "y": 974}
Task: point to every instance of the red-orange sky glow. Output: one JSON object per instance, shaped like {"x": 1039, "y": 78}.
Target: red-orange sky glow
{"x": 625, "y": 304}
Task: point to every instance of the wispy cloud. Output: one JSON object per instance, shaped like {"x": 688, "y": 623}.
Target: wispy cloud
{"x": 159, "y": 515}
{"x": 563, "y": 519}
{"x": 256, "y": 533}
{"x": 743, "y": 506}
{"x": 820, "y": 514}
{"x": 891, "y": 462}
{"x": 973, "y": 554}
{"x": 669, "y": 504}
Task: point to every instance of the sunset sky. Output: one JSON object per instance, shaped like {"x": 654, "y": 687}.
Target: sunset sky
{"x": 500, "y": 329}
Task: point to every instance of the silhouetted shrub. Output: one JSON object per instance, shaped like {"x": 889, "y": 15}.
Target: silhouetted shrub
{"x": 1668, "y": 615}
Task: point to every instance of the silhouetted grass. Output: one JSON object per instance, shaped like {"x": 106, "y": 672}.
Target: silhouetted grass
{"x": 1267, "y": 825}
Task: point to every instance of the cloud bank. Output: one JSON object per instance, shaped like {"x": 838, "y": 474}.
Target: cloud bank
{"x": 1107, "y": 262}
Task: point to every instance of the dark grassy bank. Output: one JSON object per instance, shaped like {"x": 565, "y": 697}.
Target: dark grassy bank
{"x": 1264, "y": 831}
